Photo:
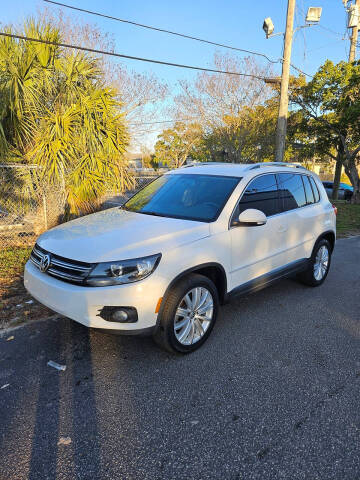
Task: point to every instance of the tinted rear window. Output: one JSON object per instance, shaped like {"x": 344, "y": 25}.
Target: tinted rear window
{"x": 315, "y": 189}
{"x": 308, "y": 190}
{"x": 292, "y": 191}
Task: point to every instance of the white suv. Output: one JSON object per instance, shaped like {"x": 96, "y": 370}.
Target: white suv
{"x": 164, "y": 261}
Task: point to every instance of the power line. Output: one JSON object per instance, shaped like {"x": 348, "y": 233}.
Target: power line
{"x": 338, "y": 34}
{"x": 300, "y": 71}
{"x": 147, "y": 131}
{"x": 129, "y": 57}
{"x": 163, "y": 30}
{"x": 326, "y": 45}
{"x": 164, "y": 121}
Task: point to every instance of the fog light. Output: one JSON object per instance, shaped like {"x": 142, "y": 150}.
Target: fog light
{"x": 119, "y": 314}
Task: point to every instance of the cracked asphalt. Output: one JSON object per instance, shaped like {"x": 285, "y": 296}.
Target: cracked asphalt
{"x": 273, "y": 394}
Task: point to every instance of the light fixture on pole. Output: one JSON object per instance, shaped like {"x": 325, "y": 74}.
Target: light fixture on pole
{"x": 312, "y": 18}
{"x": 353, "y": 16}
{"x": 313, "y": 15}
{"x": 268, "y": 27}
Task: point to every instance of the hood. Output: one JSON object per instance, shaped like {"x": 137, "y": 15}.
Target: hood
{"x": 117, "y": 234}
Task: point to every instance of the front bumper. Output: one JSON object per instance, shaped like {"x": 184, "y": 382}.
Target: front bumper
{"x": 83, "y": 304}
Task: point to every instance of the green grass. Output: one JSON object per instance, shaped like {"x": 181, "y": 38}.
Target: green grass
{"x": 348, "y": 219}
{"x": 12, "y": 261}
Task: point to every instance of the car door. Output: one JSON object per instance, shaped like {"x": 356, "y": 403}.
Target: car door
{"x": 301, "y": 214}
{"x": 257, "y": 250}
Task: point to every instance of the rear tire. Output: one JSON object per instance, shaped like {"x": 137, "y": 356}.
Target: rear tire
{"x": 188, "y": 314}
{"x": 319, "y": 265}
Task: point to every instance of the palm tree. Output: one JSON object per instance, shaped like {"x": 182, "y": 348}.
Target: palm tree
{"x": 57, "y": 112}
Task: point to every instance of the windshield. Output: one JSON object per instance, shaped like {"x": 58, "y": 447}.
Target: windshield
{"x": 187, "y": 196}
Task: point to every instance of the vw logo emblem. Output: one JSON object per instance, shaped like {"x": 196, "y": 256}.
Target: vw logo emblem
{"x": 45, "y": 263}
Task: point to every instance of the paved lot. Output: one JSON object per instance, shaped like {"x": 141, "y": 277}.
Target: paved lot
{"x": 274, "y": 394}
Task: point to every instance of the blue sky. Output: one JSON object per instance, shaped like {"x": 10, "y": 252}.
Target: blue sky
{"x": 233, "y": 22}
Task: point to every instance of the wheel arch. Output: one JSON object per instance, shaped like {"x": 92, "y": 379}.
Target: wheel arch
{"x": 329, "y": 236}
{"x": 212, "y": 270}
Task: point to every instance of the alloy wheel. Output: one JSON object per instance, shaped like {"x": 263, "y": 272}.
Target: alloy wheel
{"x": 194, "y": 315}
{"x": 321, "y": 263}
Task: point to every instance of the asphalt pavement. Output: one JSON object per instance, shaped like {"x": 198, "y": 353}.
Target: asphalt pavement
{"x": 273, "y": 394}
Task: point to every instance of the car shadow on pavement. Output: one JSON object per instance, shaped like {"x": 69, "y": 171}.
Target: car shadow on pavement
{"x": 65, "y": 424}
{"x": 46, "y": 426}
{"x": 84, "y": 420}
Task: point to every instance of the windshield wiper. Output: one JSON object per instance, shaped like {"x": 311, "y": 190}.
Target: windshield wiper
{"x": 152, "y": 213}
{"x": 123, "y": 207}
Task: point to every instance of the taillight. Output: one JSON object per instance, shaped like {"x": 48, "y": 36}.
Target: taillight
{"x": 335, "y": 209}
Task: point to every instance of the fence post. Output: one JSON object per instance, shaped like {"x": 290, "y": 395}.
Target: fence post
{"x": 45, "y": 212}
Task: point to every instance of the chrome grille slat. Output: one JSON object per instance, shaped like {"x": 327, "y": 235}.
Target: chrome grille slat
{"x": 71, "y": 266}
{"x": 36, "y": 251}
{"x": 67, "y": 276}
{"x": 36, "y": 262}
{"x": 61, "y": 268}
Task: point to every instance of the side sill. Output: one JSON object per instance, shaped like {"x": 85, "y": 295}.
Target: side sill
{"x": 269, "y": 278}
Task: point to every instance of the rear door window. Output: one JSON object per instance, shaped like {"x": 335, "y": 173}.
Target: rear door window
{"x": 308, "y": 190}
{"x": 292, "y": 191}
{"x": 315, "y": 190}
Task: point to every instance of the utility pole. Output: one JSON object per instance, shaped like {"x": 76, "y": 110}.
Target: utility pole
{"x": 312, "y": 18}
{"x": 352, "y": 55}
{"x": 284, "y": 98}
{"x": 354, "y": 36}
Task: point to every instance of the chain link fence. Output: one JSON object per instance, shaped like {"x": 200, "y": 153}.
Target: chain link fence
{"x": 30, "y": 206}
{"x": 113, "y": 199}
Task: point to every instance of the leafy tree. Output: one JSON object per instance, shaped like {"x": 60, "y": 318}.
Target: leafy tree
{"x": 330, "y": 115}
{"x": 246, "y": 137}
{"x": 140, "y": 94}
{"x": 176, "y": 145}
{"x": 211, "y": 97}
{"x": 57, "y": 112}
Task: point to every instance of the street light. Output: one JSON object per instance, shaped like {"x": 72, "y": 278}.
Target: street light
{"x": 353, "y": 16}
{"x": 268, "y": 27}
{"x": 313, "y": 15}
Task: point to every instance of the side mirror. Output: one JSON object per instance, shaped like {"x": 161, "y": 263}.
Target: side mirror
{"x": 252, "y": 218}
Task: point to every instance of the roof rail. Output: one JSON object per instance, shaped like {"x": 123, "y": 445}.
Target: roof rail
{"x": 199, "y": 164}
{"x": 275, "y": 164}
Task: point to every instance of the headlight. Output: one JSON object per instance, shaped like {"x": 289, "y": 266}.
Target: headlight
{"x": 124, "y": 271}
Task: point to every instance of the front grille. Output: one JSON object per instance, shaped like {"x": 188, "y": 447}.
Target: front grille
{"x": 64, "y": 269}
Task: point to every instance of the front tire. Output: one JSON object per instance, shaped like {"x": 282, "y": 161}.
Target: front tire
{"x": 188, "y": 314}
{"x": 319, "y": 265}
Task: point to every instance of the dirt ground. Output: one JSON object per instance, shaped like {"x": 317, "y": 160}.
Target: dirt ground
{"x": 17, "y": 306}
